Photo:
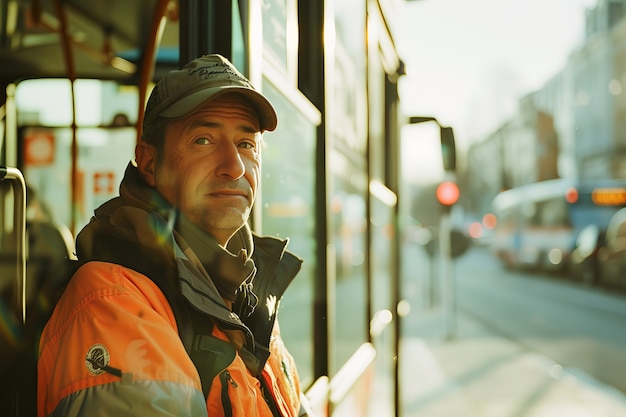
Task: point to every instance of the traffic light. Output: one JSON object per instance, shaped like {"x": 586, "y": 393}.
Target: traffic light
{"x": 448, "y": 148}
{"x": 447, "y": 194}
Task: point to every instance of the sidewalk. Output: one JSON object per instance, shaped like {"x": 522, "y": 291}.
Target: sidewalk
{"x": 479, "y": 374}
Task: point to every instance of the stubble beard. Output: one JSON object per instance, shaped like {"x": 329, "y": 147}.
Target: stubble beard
{"x": 222, "y": 218}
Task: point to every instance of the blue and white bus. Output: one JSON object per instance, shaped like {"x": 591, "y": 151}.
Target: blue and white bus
{"x": 538, "y": 224}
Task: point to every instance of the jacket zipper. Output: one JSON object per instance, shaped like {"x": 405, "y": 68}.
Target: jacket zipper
{"x": 226, "y": 379}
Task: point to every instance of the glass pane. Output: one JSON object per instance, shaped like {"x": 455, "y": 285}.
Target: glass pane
{"x": 105, "y": 115}
{"x": 103, "y": 156}
{"x": 349, "y": 222}
{"x": 47, "y": 102}
{"x": 348, "y": 122}
{"x": 288, "y": 212}
{"x": 280, "y": 34}
{"x": 382, "y": 306}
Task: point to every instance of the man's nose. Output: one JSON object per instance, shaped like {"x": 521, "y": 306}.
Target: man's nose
{"x": 231, "y": 163}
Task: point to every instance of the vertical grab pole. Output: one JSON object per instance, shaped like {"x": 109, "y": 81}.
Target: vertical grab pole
{"x": 20, "y": 218}
{"x": 149, "y": 58}
{"x": 68, "y": 55}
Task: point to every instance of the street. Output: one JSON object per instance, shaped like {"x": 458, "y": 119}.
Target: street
{"x": 521, "y": 344}
{"x": 576, "y": 326}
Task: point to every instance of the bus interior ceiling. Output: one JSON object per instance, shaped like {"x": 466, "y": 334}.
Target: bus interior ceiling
{"x": 100, "y": 39}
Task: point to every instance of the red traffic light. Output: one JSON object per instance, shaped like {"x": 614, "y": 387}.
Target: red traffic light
{"x": 448, "y": 193}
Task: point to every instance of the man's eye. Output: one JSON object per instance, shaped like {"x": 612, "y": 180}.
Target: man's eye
{"x": 247, "y": 145}
{"x": 202, "y": 141}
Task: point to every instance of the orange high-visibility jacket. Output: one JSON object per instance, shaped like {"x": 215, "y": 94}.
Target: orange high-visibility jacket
{"x": 113, "y": 346}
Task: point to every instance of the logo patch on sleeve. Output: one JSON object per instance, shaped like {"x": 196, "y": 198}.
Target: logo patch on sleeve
{"x": 97, "y": 359}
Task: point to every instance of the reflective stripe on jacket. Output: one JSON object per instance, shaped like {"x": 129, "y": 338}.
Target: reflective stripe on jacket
{"x": 112, "y": 348}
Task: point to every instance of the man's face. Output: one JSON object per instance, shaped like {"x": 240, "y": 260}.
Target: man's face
{"x": 211, "y": 165}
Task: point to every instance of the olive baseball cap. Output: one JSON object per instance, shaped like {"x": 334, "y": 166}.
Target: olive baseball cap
{"x": 182, "y": 91}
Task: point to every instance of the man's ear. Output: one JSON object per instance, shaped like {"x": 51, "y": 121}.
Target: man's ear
{"x": 146, "y": 157}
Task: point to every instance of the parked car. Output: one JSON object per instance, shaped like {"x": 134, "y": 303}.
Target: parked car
{"x": 612, "y": 254}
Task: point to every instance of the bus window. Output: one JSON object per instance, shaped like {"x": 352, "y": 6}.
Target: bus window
{"x": 288, "y": 210}
{"x": 529, "y": 213}
{"x": 105, "y": 117}
{"x": 554, "y": 213}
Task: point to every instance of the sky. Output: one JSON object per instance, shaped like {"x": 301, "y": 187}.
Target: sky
{"x": 468, "y": 62}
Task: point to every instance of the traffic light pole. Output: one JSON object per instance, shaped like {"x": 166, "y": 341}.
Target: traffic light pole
{"x": 447, "y": 195}
{"x": 448, "y": 293}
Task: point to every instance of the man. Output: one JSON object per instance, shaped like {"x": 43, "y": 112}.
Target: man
{"x": 173, "y": 309}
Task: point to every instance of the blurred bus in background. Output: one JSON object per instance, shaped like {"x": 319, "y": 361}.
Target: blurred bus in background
{"x": 540, "y": 226}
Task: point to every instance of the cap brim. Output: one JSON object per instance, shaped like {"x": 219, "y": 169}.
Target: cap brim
{"x": 267, "y": 115}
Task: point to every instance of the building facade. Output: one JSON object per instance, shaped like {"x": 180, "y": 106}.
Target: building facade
{"x": 572, "y": 127}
